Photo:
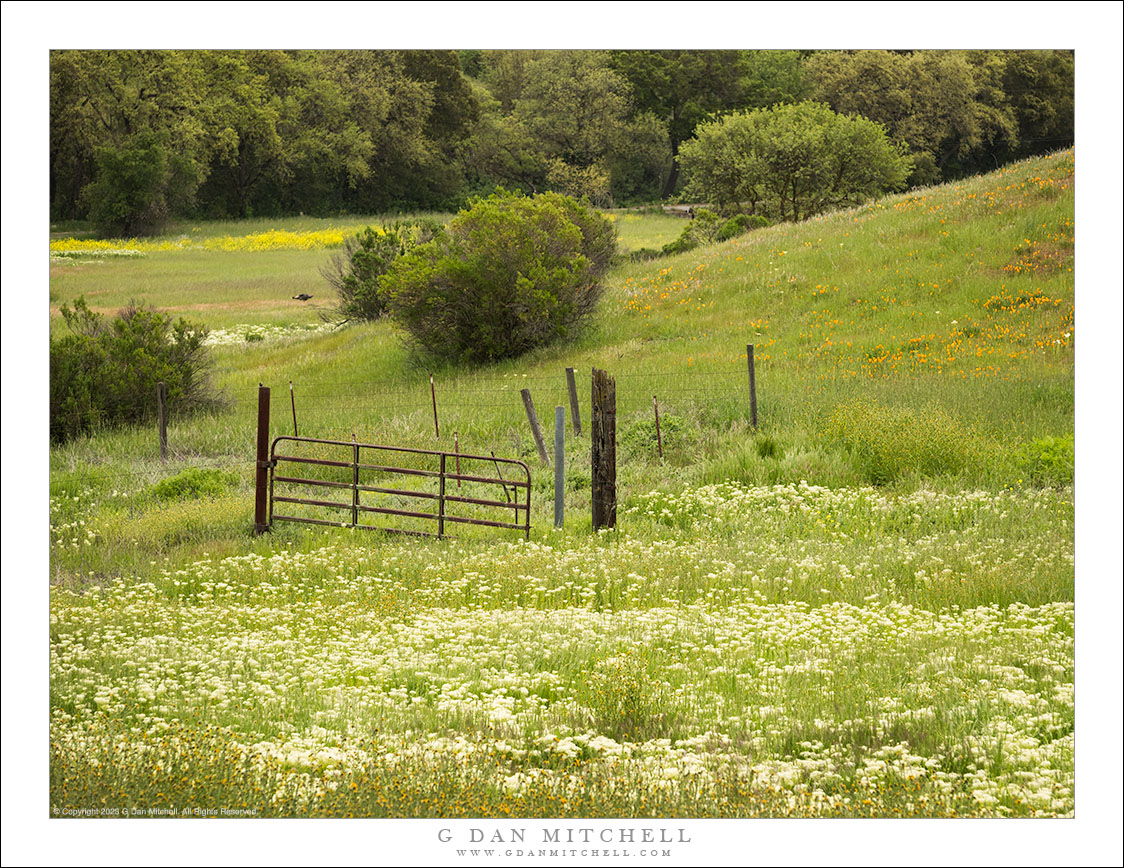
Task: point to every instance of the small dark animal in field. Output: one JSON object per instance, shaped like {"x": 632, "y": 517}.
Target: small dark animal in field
{"x": 304, "y": 296}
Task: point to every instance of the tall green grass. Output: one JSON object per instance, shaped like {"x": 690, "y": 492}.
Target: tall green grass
{"x": 909, "y": 303}
{"x": 864, "y": 607}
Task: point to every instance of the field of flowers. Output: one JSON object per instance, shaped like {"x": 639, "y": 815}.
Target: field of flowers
{"x": 942, "y": 303}
{"x": 273, "y": 239}
{"x": 863, "y": 608}
{"x": 782, "y": 651}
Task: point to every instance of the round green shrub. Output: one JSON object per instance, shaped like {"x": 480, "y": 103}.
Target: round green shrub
{"x": 354, "y": 274}
{"x": 740, "y": 224}
{"x": 105, "y": 373}
{"x": 1047, "y": 460}
{"x": 508, "y": 275}
{"x": 703, "y": 229}
{"x": 193, "y": 483}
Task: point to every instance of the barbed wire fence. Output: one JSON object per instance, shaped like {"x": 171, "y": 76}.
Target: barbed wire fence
{"x": 352, "y": 407}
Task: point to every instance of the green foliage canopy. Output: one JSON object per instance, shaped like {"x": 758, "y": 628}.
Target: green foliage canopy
{"x": 259, "y": 132}
{"x": 509, "y": 274}
{"x": 106, "y": 373}
{"x": 355, "y": 273}
{"x": 955, "y": 111}
{"x": 265, "y": 132}
{"x": 563, "y": 121}
{"x": 790, "y": 161}
{"x": 682, "y": 88}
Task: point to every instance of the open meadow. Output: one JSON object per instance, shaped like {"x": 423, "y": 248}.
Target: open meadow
{"x": 865, "y": 607}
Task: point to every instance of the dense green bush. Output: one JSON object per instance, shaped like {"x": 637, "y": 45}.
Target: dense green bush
{"x": 508, "y": 275}
{"x": 703, "y": 229}
{"x": 1047, "y": 460}
{"x": 138, "y": 186}
{"x": 740, "y": 224}
{"x": 194, "y": 483}
{"x": 887, "y": 443}
{"x": 791, "y": 162}
{"x": 706, "y": 227}
{"x": 105, "y": 373}
{"x": 355, "y": 273}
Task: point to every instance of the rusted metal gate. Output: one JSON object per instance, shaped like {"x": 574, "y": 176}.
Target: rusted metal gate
{"x": 462, "y": 488}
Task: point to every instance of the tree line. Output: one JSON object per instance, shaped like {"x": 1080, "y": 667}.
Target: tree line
{"x": 141, "y": 137}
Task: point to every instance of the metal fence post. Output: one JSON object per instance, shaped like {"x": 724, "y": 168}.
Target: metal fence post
{"x": 752, "y": 386}
{"x": 355, "y": 483}
{"x": 441, "y": 501}
{"x": 261, "y": 476}
{"x": 559, "y": 465}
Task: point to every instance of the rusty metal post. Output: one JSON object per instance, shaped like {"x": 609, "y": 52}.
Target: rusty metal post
{"x": 433, "y": 394}
{"x": 261, "y": 476}
{"x": 535, "y": 430}
{"x": 355, "y": 482}
{"x": 499, "y": 473}
{"x": 162, "y": 418}
{"x": 659, "y": 439}
{"x": 441, "y": 501}
{"x": 752, "y": 386}
{"x": 293, "y": 402}
{"x": 603, "y": 434}
{"x": 575, "y": 413}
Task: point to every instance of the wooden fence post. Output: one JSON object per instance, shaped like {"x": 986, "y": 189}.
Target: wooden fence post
{"x": 261, "y": 478}
{"x": 752, "y": 386}
{"x": 575, "y": 413}
{"x": 535, "y": 430}
{"x": 603, "y": 434}
{"x": 659, "y": 439}
{"x": 559, "y": 465}
{"x": 162, "y": 418}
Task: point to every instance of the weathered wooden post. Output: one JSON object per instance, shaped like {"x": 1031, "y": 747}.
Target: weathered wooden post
{"x": 575, "y": 414}
{"x": 603, "y": 434}
{"x": 752, "y": 386}
{"x": 535, "y": 429}
{"x": 261, "y": 477}
{"x": 659, "y": 439}
{"x": 559, "y": 465}
{"x": 162, "y": 418}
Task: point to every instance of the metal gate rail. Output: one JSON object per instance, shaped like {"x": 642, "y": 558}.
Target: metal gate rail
{"x": 517, "y": 491}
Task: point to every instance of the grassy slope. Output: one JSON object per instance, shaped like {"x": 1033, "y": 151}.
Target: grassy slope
{"x": 935, "y": 612}
{"x": 910, "y": 302}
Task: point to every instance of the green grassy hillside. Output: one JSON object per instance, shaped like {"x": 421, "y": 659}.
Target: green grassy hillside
{"x": 954, "y": 304}
{"x": 865, "y": 607}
